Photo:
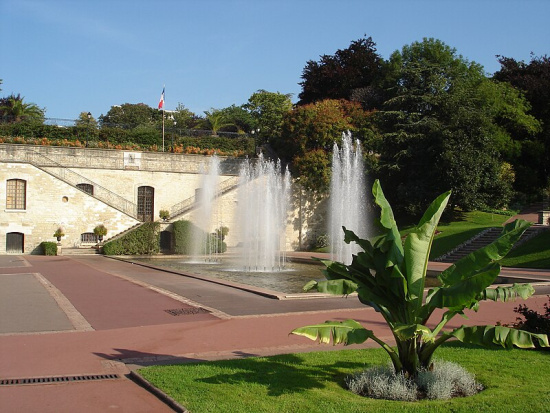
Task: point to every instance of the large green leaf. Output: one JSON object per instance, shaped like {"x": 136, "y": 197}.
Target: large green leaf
{"x": 499, "y": 336}
{"x": 486, "y": 255}
{"x": 417, "y": 249}
{"x": 409, "y": 331}
{"x": 392, "y": 239}
{"x": 335, "y": 287}
{"x": 346, "y": 332}
{"x": 508, "y": 293}
{"x": 349, "y": 236}
{"x": 465, "y": 292}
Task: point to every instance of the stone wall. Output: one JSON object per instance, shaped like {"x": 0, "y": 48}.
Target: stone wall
{"x": 51, "y": 202}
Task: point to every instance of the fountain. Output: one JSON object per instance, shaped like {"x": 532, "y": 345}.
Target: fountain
{"x": 263, "y": 199}
{"x": 205, "y": 197}
{"x": 348, "y": 199}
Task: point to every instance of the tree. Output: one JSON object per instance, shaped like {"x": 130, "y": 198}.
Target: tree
{"x": 310, "y": 131}
{"x": 268, "y": 110}
{"x": 184, "y": 118}
{"x": 440, "y": 130}
{"x": 14, "y": 110}
{"x": 352, "y": 74}
{"x": 240, "y": 118}
{"x": 86, "y": 122}
{"x": 87, "y": 126}
{"x": 533, "y": 79}
{"x": 216, "y": 119}
{"x": 130, "y": 115}
{"x": 390, "y": 277}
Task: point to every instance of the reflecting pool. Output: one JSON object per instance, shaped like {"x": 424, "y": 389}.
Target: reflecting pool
{"x": 288, "y": 280}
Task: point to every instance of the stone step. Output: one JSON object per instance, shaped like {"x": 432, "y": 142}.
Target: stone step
{"x": 79, "y": 251}
{"x": 485, "y": 239}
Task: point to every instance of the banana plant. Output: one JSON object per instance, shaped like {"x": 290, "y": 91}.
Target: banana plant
{"x": 390, "y": 276}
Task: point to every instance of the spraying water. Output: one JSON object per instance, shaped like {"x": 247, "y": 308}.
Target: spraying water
{"x": 264, "y": 199}
{"x": 348, "y": 199}
{"x": 206, "y": 197}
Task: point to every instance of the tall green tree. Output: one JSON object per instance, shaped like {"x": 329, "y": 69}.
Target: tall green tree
{"x": 268, "y": 110}
{"x": 352, "y": 73}
{"x": 13, "y": 110}
{"x": 309, "y": 133}
{"x": 533, "y": 79}
{"x": 240, "y": 118}
{"x": 440, "y": 130}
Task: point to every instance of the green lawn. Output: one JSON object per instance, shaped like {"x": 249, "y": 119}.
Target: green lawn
{"x": 462, "y": 228}
{"x": 534, "y": 253}
{"x": 515, "y": 381}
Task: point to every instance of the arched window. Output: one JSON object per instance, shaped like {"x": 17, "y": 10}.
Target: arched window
{"x": 146, "y": 203}
{"x": 16, "y": 194}
{"x": 88, "y": 188}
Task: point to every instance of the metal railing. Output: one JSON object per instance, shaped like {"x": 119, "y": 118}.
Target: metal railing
{"x": 72, "y": 178}
{"x": 190, "y": 203}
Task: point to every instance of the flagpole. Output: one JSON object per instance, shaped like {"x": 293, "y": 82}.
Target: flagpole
{"x": 161, "y": 106}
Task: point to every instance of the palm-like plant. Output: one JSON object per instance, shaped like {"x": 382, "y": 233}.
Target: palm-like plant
{"x": 13, "y": 109}
{"x": 390, "y": 277}
{"x": 217, "y": 119}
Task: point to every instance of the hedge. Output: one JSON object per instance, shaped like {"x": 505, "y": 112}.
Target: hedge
{"x": 144, "y": 240}
{"x": 49, "y": 248}
{"x": 185, "y": 234}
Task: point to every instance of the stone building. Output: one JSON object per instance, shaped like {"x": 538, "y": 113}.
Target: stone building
{"x": 44, "y": 188}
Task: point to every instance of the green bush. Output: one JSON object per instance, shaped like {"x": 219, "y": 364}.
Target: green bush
{"x": 144, "y": 240}
{"x": 534, "y": 321}
{"x": 245, "y": 144}
{"x": 186, "y": 233}
{"x": 183, "y": 236}
{"x": 143, "y": 135}
{"x": 49, "y": 248}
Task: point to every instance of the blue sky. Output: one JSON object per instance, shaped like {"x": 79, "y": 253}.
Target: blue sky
{"x": 78, "y": 56}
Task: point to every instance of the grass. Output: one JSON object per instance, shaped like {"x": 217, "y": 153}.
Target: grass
{"x": 515, "y": 381}
{"x": 462, "y": 228}
{"x": 535, "y": 253}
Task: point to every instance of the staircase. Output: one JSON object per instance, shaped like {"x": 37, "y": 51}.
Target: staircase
{"x": 79, "y": 251}
{"x": 72, "y": 178}
{"x": 190, "y": 203}
{"x": 483, "y": 239}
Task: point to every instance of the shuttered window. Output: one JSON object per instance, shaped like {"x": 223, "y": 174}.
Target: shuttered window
{"x": 16, "y": 194}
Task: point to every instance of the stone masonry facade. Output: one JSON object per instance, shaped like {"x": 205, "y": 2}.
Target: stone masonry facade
{"x": 50, "y": 176}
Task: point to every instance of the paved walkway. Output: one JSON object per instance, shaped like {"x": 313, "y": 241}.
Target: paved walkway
{"x": 86, "y": 315}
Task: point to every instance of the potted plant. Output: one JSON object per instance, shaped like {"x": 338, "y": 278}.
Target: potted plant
{"x": 59, "y": 233}
{"x": 100, "y": 231}
{"x": 164, "y": 214}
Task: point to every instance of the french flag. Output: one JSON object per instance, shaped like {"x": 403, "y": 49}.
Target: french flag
{"x": 161, "y": 103}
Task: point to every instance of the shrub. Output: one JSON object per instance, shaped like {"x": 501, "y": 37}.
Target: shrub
{"x": 183, "y": 236}
{"x": 534, "y": 322}
{"x": 144, "y": 240}
{"x": 444, "y": 381}
{"x": 49, "y": 248}
{"x": 186, "y": 234}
